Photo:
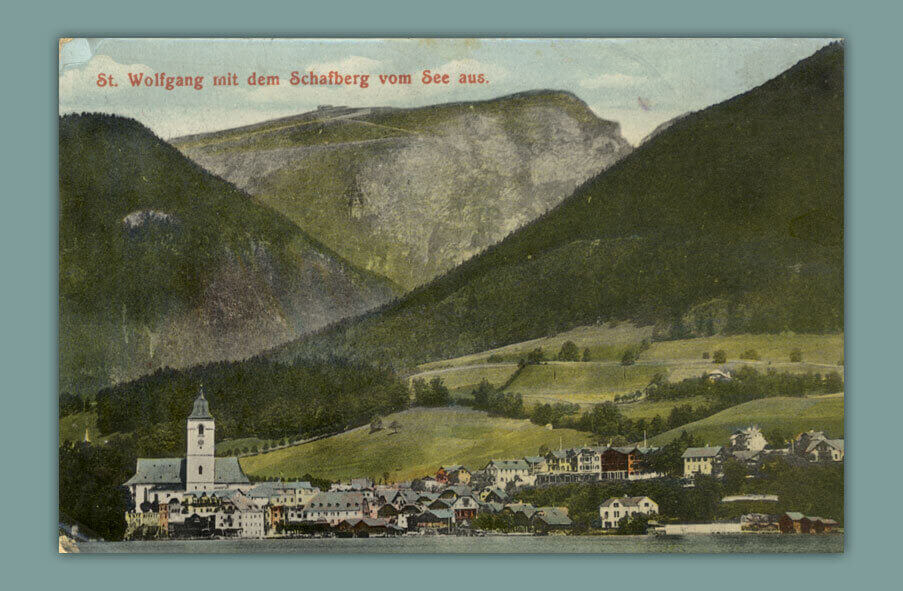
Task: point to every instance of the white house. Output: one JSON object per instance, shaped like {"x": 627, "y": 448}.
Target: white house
{"x": 748, "y": 439}
{"x": 702, "y": 460}
{"x": 239, "y": 515}
{"x": 612, "y": 510}
{"x": 159, "y": 480}
{"x": 504, "y": 471}
{"x": 336, "y": 506}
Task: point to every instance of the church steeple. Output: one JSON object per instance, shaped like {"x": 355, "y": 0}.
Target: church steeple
{"x": 200, "y": 462}
{"x": 201, "y": 409}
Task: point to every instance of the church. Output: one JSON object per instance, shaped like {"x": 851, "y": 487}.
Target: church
{"x": 159, "y": 480}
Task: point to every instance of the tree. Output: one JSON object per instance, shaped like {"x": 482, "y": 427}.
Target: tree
{"x": 750, "y": 354}
{"x": 633, "y": 525}
{"x": 536, "y": 356}
{"x": 395, "y": 426}
{"x": 719, "y": 356}
{"x": 705, "y": 355}
{"x": 569, "y": 352}
{"x": 833, "y": 382}
{"x": 629, "y": 357}
{"x": 376, "y": 424}
{"x": 734, "y": 476}
{"x": 796, "y": 356}
{"x": 543, "y": 449}
{"x": 776, "y": 438}
{"x": 482, "y": 393}
{"x": 586, "y": 355}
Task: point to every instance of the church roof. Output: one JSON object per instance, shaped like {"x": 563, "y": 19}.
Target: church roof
{"x": 172, "y": 471}
{"x": 201, "y": 409}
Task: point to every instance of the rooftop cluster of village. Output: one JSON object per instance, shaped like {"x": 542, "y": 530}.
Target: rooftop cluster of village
{"x": 204, "y": 496}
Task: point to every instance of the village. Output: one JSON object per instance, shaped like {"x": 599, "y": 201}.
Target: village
{"x": 201, "y": 496}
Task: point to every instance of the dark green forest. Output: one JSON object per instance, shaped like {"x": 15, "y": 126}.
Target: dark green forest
{"x": 729, "y": 221}
{"x": 253, "y": 398}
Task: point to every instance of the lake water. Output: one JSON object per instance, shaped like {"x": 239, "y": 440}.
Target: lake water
{"x": 704, "y": 544}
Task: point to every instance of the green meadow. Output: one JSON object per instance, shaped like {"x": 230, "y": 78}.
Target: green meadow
{"x": 426, "y": 440}
{"x": 790, "y": 415}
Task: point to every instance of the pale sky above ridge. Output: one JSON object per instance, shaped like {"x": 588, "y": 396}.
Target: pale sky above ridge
{"x": 638, "y": 82}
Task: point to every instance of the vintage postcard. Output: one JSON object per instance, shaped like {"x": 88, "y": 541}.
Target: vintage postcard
{"x": 451, "y": 295}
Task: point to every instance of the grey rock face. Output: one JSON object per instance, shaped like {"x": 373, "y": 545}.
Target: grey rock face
{"x": 412, "y": 206}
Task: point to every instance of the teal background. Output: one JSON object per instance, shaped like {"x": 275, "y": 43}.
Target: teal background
{"x": 28, "y": 250}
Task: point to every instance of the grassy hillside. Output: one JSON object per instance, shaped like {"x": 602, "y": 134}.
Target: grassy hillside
{"x": 428, "y": 438}
{"x": 409, "y": 193}
{"x": 790, "y": 415}
{"x": 588, "y": 383}
{"x": 606, "y": 342}
{"x": 162, "y": 264}
{"x": 729, "y": 221}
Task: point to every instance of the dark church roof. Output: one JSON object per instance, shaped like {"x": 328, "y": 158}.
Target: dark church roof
{"x": 172, "y": 471}
{"x": 201, "y": 409}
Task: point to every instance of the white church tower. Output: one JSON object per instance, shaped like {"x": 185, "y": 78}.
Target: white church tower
{"x": 200, "y": 463}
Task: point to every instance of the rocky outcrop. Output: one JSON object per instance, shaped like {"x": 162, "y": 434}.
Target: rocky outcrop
{"x": 409, "y": 194}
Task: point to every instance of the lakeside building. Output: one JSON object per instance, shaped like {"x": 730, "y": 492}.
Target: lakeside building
{"x": 612, "y": 510}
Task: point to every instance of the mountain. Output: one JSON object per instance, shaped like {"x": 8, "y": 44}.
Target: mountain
{"x": 410, "y": 193}
{"x": 163, "y": 264}
{"x": 728, "y": 221}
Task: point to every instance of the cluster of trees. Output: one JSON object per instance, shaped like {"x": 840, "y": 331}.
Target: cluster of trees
{"x": 433, "y": 393}
{"x": 747, "y": 384}
{"x": 90, "y": 479}
{"x": 544, "y": 414}
{"x": 253, "y": 398}
{"x": 496, "y": 402}
{"x": 570, "y": 352}
{"x": 632, "y": 354}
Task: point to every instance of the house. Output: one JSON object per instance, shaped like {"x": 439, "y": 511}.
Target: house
{"x": 558, "y": 461}
{"x": 703, "y": 460}
{"x": 334, "y": 507}
{"x": 364, "y": 526}
{"x": 502, "y": 472}
{"x": 521, "y": 514}
{"x": 548, "y": 519}
{"x": 748, "y": 439}
{"x": 239, "y": 516}
{"x": 454, "y": 491}
{"x": 749, "y": 458}
{"x": 612, "y": 510}
{"x": 438, "y": 519}
{"x": 440, "y": 504}
{"x": 455, "y": 474}
{"x": 494, "y": 495}
{"x": 718, "y": 375}
{"x": 465, "y": 508}
{"x": 792, "y": 522}
{"x": 288, "y": 494}
{"x": 825, "y": 450}
{"x": 537, "y": 464}
{"x": 588, "y": 460}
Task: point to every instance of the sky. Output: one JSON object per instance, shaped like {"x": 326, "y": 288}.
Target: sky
{"x": 638, "y": 82}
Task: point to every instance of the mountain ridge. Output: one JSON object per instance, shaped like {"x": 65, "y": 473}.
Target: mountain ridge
{"x": 730, "y": 220}
{"x": 409, "y": 193}
{"x": 163, "y": 264}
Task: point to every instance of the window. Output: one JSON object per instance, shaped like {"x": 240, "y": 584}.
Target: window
{"x": 201, "y": 430}
{"x": 200, "y": 469}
